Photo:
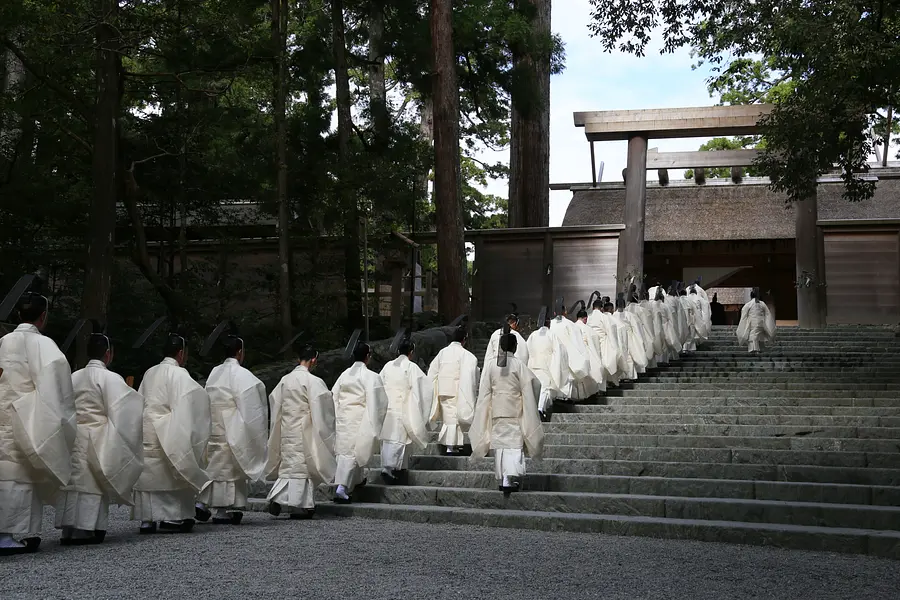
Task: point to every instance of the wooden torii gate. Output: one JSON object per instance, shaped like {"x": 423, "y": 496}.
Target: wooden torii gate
{"x": 638, "y": 126}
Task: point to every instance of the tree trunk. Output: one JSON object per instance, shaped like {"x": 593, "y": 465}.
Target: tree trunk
{"x": 280, "y": 10}
{"x": 529, "y": 153}
{"x": 377, "y": 88}
{"x": 101, "y": 242}
{"x": 13, "y": 79}
{"x": 426, "y": 131}
{"x": 347, "y": 196}
{"x": 451, "y": 250}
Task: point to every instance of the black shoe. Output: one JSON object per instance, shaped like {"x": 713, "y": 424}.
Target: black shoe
{"x": 274, "y": 509}
{"x": 187, "y": 526}
{"x": 303, "y": 514}
{"x": 236, "y": 517}
{"x": 96, "y": 537}
{"x": 147, "y": 530}
{"x": 402, "y": 476}
{"x": 30, "y": 545}
{"x": 202, "y": 514}
{"x": 362, "y": 483}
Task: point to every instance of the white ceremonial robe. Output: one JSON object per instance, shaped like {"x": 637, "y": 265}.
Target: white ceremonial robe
{"x": 548, "y": 362}
{"x": 37, "y": 428}
{"x": 301, "y": 442}
{"x": 644, "y": 326}
{"x": 703, "y": 318}
{"x": 630, "y": 325}
{"x": 672, "y": 348}
{"x": 108, "y": 456}
{"x": 410, "y": 404}
{"x": 680, "y": 320}
{"x": 237, "y": 442}
{"x": 506, "y": 418}
{"x": 454, "y": 376}
{"x": 494, "y": 346}
{"x": 577, "y": 353}
{"x": 600, "y": 322}
{"x": 360, "y": 406}
{"x": 177, "y": 425}
{"x": 596, "y": 381}
{"x": 757, "y": 325}
{"x": 653, "y": 322}
{"x": 689, "y": 309}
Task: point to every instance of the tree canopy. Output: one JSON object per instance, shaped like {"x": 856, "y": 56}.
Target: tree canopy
{"x": 830, "y": 67}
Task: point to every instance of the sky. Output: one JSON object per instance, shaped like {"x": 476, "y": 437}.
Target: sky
{"x": 596, "y": 80}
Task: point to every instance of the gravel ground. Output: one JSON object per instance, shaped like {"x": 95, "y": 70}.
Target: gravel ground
{"x": 358, "y": 558}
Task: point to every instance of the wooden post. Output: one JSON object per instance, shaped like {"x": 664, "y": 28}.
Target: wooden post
{"x": 547, "y": 287}
{"x": 428, "y": 302}
{"x": 477, "y": 281}
{"x": 823, "y": 276}
{"x": 631, "y": 240}
{"x": 809, "y": 314}
{"x": 396, "y": 297}
{"x": 593, "y": 167}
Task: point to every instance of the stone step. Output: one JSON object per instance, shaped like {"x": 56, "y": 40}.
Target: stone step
{"x": 637, "y": 468}
{"x": 731, "y": 419}
{"x": 882, "y": 433}
{"x": 833, "y": 539}
{"x": 674, "y": 507}
{"x": 716, "y": 379}
{"x": 699, "y": 441}
{"x": 738, "y": 391}
{"x": 760, "y": 400}
{"x": 740, "y": 386}
{"x": 709, "y": 409}
{"x": 736, "y": 455}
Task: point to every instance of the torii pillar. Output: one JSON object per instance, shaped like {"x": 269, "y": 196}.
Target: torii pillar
{"x": 631, "y": 240}
{"x": 810, "y": 276}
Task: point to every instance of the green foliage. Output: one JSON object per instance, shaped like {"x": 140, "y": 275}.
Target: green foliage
{"x": 723, "y": 143}
{"x": 828, "y": 67}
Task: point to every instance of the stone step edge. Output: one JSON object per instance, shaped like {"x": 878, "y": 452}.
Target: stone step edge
{"x": 802, "y": 537}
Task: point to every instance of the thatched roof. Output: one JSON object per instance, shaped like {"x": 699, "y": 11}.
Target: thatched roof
{"x": 721, "y": 210}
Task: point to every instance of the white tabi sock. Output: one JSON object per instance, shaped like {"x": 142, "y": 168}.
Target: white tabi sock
{"x": 341, "y": 492}
{"x": 221, "y": 513}
{"x": 200, "y": 505}
{"x": 7, "y": 541}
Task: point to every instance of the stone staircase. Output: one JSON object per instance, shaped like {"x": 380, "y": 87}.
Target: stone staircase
{"x": 798, "y": 447}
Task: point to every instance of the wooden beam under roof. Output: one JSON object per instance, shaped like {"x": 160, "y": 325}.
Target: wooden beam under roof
{"x": 701, "y": 159}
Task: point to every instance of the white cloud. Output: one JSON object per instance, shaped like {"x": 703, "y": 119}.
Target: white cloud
{"x": 596, "y": 80}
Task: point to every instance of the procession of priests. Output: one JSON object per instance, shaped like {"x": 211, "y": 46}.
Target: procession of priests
{"x": 177, "y": 452}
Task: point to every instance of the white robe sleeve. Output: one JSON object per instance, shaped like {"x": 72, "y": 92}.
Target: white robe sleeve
{"x": 184, "y": 431}
{"x": 276, "y": 406}
{"x": 743, "y": 328}
{"x": 246, "y": 427}
{"x": 530, "y": 421}
{"x": 480, "y": 430}
{"x": 418, "y": 406}
{"x": 115, "y": 452}
{"x": 770, "y": 321}
{"x": 468, "y": 389}
{"x": 43, "y": 421}
{"x": 319, "y": 432}
{"x": 370, "y": 427}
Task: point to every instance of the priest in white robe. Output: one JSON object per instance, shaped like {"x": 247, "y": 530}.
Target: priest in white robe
{"x": 643, "y": 321}
{"x": 37, "y": 427}
{"x": 301, "y": 441}
{"x": 666, "y": 324}
{"x": 548, "y": 362}
{"x": 454, "y": 375}
{"x": 596, "y": 381}
{"x": 506, "y": 417}
{"x": 410, "y": 403}
{"x": 237, "y": 442}
{"x": 360, "y": 408}
{"x": 512, "y": 320}
{"x": 599, "y": 321}
{"x": 577, "y": 353}
{"x": 703, "y": 313}
{"x": 177, "y": 425}
{"x": 108, "y": 456}
{"x": 630, "y": 329}
{"x": 757, "y": 324}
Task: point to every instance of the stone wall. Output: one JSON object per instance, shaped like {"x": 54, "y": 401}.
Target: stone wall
{"x": 721, "y": 210}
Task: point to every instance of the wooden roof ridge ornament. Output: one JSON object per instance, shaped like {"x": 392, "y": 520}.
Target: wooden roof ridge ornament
{"x": 216, "y": 334}
{"x": 290, "y": 343}
{"x": 542, "y": 317}
{"x": 402, "y": 334}
{"x": 352, "y": 344}
{"x": 149, "y": 331}
{"x": 14, "y": 295}
{"x": 95, "y": 326}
